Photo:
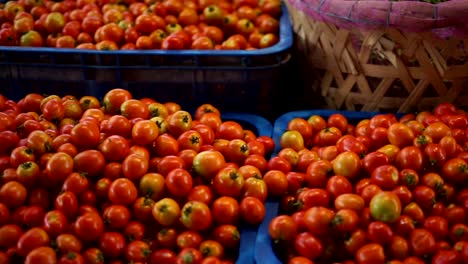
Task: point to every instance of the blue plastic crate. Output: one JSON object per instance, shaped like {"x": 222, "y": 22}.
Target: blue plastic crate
{"x": 263, "y": 246}
{"x": 238, "y": 80}
{"x": 261, "y": 127}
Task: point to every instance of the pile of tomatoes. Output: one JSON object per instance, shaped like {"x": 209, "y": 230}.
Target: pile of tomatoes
{"x": 148, "y": 24}
{"x": 125, "y": 181}
{"x": 376, "y": 190}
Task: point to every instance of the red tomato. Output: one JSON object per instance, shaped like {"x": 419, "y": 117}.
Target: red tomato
{"x": 345, "y": 220}
{"x": 13, "y": 194}
{"x": 308, "y": 246}
{"x": 252, "y": 210}
{"x": 41, "y": 254}
{"x": 400, "y": 135}
{"x": 135, "y": 166}
{"x": 370, "y": 253}
{"x": 179, "y": 182}
{"x": 188, "y": 239}
{"x": 318, "y": 220}
{"x": 410, "y": 157}
{"x": 228, "y": 182}
{"x": 10, "y": 233}
{"x": 379, "y": 232}
{"x": 276, "y": 182}
{"x": 55, "y": 223}
{"x": 422, "y": 242}
{"x": 196, "y": 215}
{"x": 122, "y": 191}
{"x": 227, "y": 235}
{"x": 31, "y": 239}
{"x": 137, "y": 251}
{"x": 91, "y": 162}
{"x": 67, "y": 243}
{"x": 115, "y": 148}
{"x": 282, "y": 228}
{"x": 85, "y": 136}
{"x": 89, "y": 226}
{"x": 385, "y": 176}
{"x": 112, "y": 244}
{"x": 116, "y": 216}
{"x": 225, "y": 210}
{"x": 201, "y": 193}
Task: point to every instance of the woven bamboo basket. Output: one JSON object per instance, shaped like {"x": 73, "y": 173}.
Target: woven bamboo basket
{"x": 384, "y": 56}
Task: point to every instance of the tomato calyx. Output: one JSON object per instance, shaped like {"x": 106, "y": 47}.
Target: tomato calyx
{"x": 71, "y": 255}
{"x": 187, "y": 211}
{"x": 459, "y": 232}
{"x": 146, "y": 252}
{"x": 185, "y": 119}
{"x": 233, "y": 175}
{"x": 26, "y": 165}
{"x": 194, "y": 140}
{"x": 244, "y": 148}
{"x": 410, "y": 179}
{"x": 337, "y": 220}
{"x": 188, "y": 258}
{"x": 463, "y": 168}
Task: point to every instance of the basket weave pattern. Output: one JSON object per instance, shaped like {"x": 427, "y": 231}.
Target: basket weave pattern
{"x": 383, "y": 68}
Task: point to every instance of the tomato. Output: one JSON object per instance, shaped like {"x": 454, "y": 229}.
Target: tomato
{"x": 201, "y": 193}
{"x": 308, "y": 246}
{"x": 446, "y": 256}
{"x": 424, "y": 196}
{"x": 85, "y": 136}
{"x": 55, "y": 223}
{"x": 114, "y": 98}
{"x": 166, "y": 211}
{"x": 356, "y": 240}
{"x": 115, "y": 148}
{"x": 11, "y": 233}
{"x": 33, "y": 216}
{"x": 20, "y": 155}
{"x": 67, "y": 203}
{"x": 163, "y": 256}
{"x": 318, "y": 220}
{"x": 436, "y": 131}
{"x": 317, "y": 173}
{"x": 91, "y": 162}
{"x": 112, "y": 244}
{"x": 28, "y": 173}
{"x": 89, "y": 226}
{"x": 179, "y": 122}
{"x": 404, "y": 194}
{"x": 347, "y": 164}
{"x": 76, "y": 183}
{"x": 337, "y": 185}
{"x": 455, "y": 170}
{"x": 144, "y": 132}
{"x": 39, "y": 142}
{"x": 188, "y": 239}
{"x": 257, "y": 161}
{"x": 370, "y": 253}
{"x": 119, "y": 125}
{"x": 228, "y": 182}
{"x": 435, "y": 155}
{"x": 449, "y": 144}
{"x": 308, "y": 198}
{"x": 345, "y": 220}
{"x": 116, "y": 216}
{"x": 349, "y": 201}
{"x": 59, "y": 166}
{"x": 282, "y": 228}
{"x": 206, "y": 133}
{"x": 237, "y": 150}
{"x": 167, "y": 237}
{"x": 458, "y": 232}
{"x": 31, "y": 239}
{"x": 196, "y": 215}
{"x": 137, "y": 251}
{"x": 189, "y": 255}
{"x": 379, "y": 232}
{"x": 302, "y": 126}
{"x": 68, "y": 242}
{"x": 385, "y": 176}
{"x": 279, "y": 163}
{"x": 385, "y": 206}
{"x": 225, "y": 210}
{"x": 135, "y": 166}
{"x": 211, "y": 248}
{"x": 227, "y": 235}
{"x": 276, "y": 182}
{"x": 400, "y": 135}
{"x": 398, "y": 248}
{"x": 230, "y": 130}
{"x": 122, "y": 191}
{"x": 41, "y": 254}
{"x": 169, "y": 163}
{"x": 422, "y": 242}
{"x": 409, "y": 178}
{"x": 207, "y": 163}
{"x": 13, "y": 194}
{"x": 292, "y": 139}
{"x": 179, "y": 182}
{"x": 252, "y": 210}
{"x": 410, "y": 157}
{"x": 190, "y": 139}
{"x": 421, "y": 141}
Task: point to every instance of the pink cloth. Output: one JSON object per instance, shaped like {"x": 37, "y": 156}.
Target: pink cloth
{"x": 445, "y": 19}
